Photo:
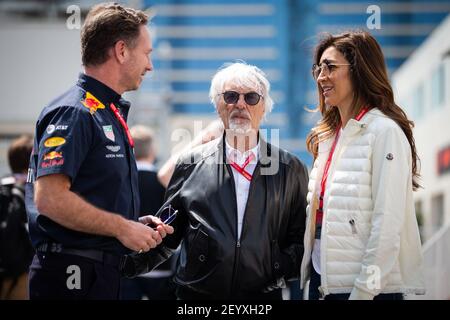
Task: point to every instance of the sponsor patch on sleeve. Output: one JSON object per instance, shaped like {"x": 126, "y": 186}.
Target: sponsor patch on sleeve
{"x": 54, "y": 142}
{"x": 53, "y": 155}
{"x": 52, "y": 159}
{"x": 52, "y": 128}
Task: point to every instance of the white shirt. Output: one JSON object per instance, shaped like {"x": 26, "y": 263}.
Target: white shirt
{"x": 316, "y": 256}
{"x": 241, "y": 183}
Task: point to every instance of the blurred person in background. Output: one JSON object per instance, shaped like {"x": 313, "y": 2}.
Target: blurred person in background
{"x": 82, "y": 193}
{"x": 239, "y": 203}
{"x": 211, "y": 132}
{"x": 362, "y": 239}
{"x": 16, "y": 250}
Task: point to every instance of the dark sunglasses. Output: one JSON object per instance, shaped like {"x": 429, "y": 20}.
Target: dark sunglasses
{"x": 250, "y": 98}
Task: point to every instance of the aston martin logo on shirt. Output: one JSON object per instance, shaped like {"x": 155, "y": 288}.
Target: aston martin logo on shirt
{"x": 113, "y": 148}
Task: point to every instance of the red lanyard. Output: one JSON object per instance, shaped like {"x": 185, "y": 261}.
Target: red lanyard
{"x": 242, "y": 170}
{"x": 327, "y": 165}
{"x": 123, "y": 123}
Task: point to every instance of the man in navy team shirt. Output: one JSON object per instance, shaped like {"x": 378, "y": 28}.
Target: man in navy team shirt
{"x": 82, "y": 191}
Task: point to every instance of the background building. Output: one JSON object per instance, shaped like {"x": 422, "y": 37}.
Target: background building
{"x": 279, "y": 36}
{"x": 422, "y": 85}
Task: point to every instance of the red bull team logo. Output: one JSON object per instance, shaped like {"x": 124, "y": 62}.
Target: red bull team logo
{"x": 53, "y": 155}
{"x": 52, "y": 159}
{"x": 92, "y": 103}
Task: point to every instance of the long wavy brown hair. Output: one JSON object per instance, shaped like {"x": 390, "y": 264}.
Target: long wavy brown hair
{"x": 371, "y": 88}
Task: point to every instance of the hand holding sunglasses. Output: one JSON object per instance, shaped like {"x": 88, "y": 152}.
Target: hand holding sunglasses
{"x": 167, "y": 216}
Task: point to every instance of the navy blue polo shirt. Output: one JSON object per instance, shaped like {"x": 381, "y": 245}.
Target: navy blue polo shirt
{"x": 78, "y": 135}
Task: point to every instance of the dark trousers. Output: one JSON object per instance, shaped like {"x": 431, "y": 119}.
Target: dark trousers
{"x": 314, "y": 293}
{"x": 314, "y": 284}
{"x": 64, "y": 276}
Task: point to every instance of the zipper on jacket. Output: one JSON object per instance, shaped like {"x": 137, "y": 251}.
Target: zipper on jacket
{"x": 238, "y": 241}
{"x": 237, "y": 256}
{"x": 352, "y": 224}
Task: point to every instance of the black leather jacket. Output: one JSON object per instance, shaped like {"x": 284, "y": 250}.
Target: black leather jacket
{"x": 213, "y": 263}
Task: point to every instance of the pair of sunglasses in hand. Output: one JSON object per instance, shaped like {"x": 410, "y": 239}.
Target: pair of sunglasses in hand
{"x": 167, "y": 216}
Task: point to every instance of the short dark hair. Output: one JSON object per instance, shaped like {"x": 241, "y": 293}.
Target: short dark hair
{"x": 143, "y": 141}
{"x": 105, "y": 24}
{"x": 19, "y": 153}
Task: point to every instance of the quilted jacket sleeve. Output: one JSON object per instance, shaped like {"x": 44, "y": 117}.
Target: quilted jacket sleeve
{"x": 391, "y": 182}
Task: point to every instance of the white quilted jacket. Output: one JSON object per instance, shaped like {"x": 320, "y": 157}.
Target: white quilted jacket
{"x": 369, "y": 183}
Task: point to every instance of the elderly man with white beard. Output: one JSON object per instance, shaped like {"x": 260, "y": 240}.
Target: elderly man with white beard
{"x": 239, "y": 202}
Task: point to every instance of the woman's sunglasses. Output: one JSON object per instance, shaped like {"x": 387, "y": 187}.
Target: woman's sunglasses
{"x": 250, "y": 98}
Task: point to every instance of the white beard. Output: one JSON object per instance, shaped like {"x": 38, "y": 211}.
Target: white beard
{"x": 240, "y": 128}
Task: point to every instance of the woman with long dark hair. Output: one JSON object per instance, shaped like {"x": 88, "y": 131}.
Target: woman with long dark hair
{"x": 362, "y": 239}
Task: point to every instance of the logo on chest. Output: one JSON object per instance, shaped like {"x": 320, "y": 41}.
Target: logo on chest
{"x": 113, "y": 148}
{"x": 109, "y": 133}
